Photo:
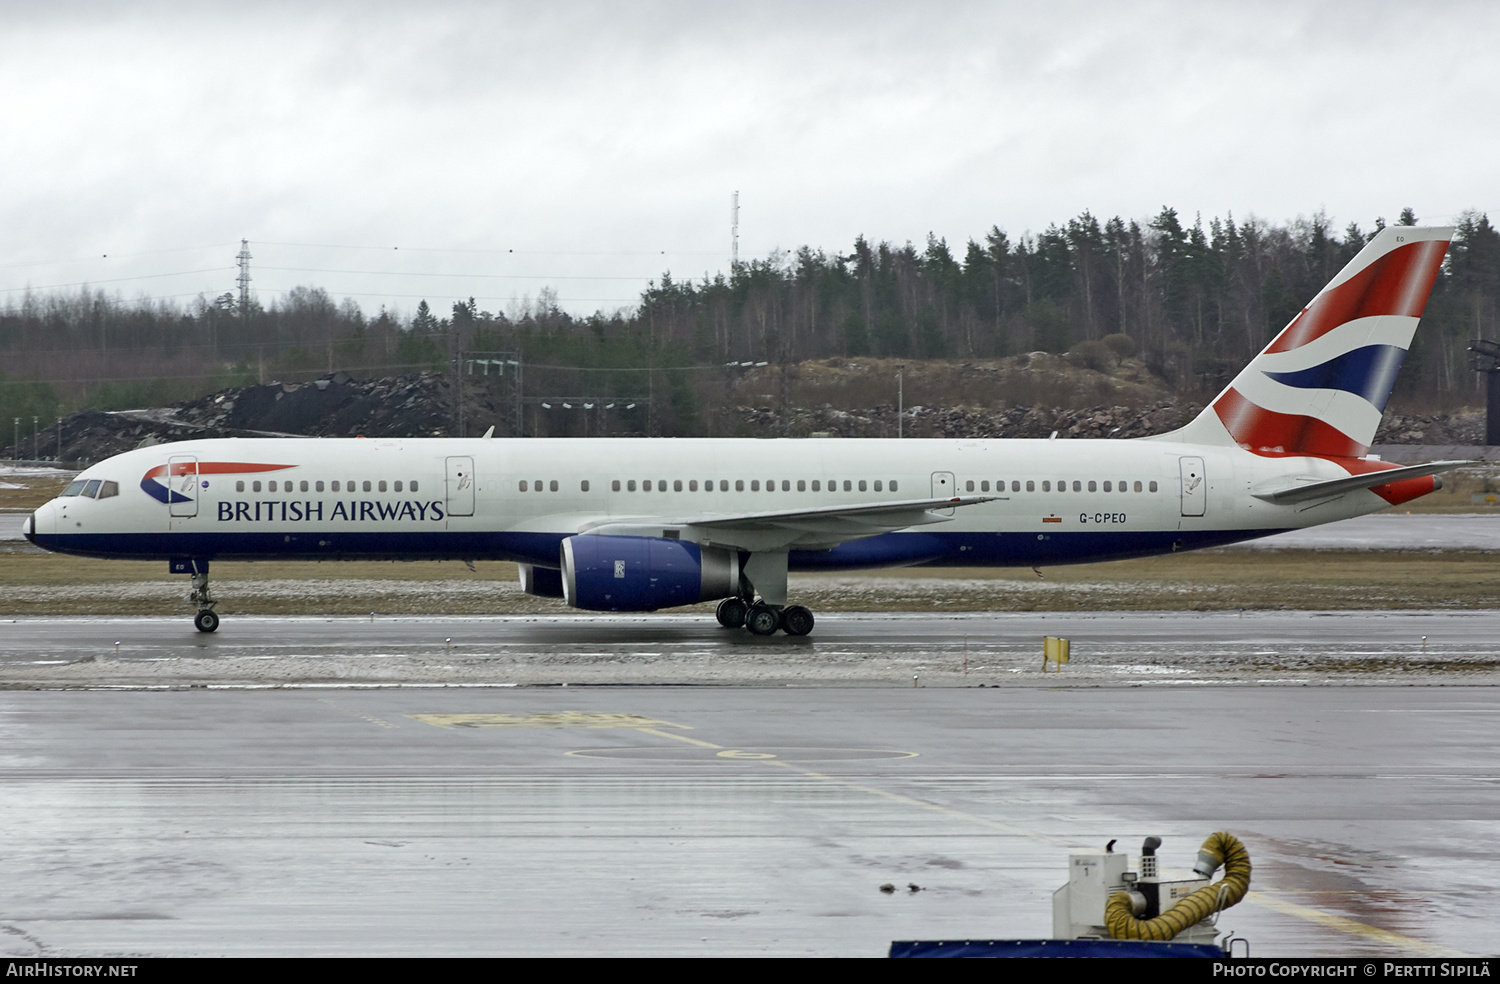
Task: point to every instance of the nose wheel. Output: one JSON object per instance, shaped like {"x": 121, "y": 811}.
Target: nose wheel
{"x": 207, "y": 620}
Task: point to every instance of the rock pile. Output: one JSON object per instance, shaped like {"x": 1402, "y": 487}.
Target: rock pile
{"x": 970, "y": 422}
{"x": 422, "y": 406}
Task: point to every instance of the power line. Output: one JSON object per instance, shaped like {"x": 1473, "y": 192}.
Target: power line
{"x": 116, "y": 256}
{"x": 470, "y": 276}
{"x": 115, "y": 280}
{"x": 501, "y": 252}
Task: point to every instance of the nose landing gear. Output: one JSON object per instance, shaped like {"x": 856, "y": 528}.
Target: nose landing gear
{"x": 207, "y": 620}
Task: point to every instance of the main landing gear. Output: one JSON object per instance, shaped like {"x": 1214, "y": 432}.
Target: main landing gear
{"x": 762, "y": 619}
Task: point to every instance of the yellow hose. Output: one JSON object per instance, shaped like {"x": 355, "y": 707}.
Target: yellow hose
{"x": 1222, "y": 848}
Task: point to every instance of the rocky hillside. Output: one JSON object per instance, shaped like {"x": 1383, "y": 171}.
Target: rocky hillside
{"x": 422, "y": 405}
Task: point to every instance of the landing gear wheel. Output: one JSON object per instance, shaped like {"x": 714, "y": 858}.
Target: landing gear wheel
{"x": 796, "y": 620}
{"x": 731, "y": 612}
{"x": 206, "y": 620}
{"x": 763, "y": 620}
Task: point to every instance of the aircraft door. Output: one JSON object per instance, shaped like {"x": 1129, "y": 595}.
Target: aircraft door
{"x": 944, "y": 487}
{"x": 182, "y": 486}
{"x": 1194, "y": 486}
{"x": 460, "y": 486}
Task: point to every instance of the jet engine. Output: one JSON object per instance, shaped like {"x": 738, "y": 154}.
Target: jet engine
{"x": 644, "y": 573}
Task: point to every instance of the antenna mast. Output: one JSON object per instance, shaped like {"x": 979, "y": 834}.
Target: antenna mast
{"x": 734, "y": 232}
{"x": 244, "y": 278}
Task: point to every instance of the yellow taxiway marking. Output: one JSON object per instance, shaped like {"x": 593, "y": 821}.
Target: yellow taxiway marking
{"x": 1346, "y": 925}
{"x": 575, "y": 719}
{"x": 561, "y": 719}
{"x": 363, "y": 717}
{"x": 1327, "y": 920}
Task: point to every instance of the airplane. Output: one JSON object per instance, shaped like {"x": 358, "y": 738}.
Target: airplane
{"x": 641, "y": 524}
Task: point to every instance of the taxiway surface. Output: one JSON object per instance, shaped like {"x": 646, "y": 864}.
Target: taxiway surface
{"x": 726, "y": 821}
{"x": 1178, "y": 648}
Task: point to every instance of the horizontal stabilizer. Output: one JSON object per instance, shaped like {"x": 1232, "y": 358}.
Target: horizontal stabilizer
{"x": 1338, "y": 486}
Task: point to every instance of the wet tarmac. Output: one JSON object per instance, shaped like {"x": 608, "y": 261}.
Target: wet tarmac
{"x": 1181, "y": 648}
{"x": 726, "y": 821}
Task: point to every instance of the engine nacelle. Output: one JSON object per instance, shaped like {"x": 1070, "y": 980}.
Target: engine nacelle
{"x": 543, "y": 582}
{"x": 644, "y": 573}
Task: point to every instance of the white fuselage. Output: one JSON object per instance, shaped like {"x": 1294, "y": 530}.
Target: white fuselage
{"x": 1050, "y": 501}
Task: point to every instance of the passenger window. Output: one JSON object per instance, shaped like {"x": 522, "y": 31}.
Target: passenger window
{"x": 786, "y": 485}
{"x": 1124, "y": 487}
{"x": 524, "y": 486}
{"x": 1077, "y": 485}
{"x": 848, "y": 487}
{"x": 893, "y": 485}
{"x": 755, "y": 485}
{"x": 335, "y": 486}
{"x": 1030, "y": 485}
{"x": 630, "y": 486}
{"x": 984, "y": 486}
{"x": 817, "y": 486}
{"x": 739, "y": 485}
{"x": 109, "y": 489}
{"x": 878, "y": 483}
{"x": 255, "y": 486}
{"x": 382, "y": 485}
{"x": 969, "y": 486}
{"x": 862, "y": 485}
{"x": 676, "y": 485}
{"x": 1062, "y": 486}
{"x": 1153, "y": 486}
{"x": 271, "y": 487}
{"x": 413, "y": 486}
{"x": 1093, "y": 486}
{"x": 646, "y": 485}
{"x": 397, "y": 486}
{"x": 692, "y": 485}
{"x": 238, "y": 486}
{"x": 552, "y": 485}
{"x": 304, "y": 486}
{"x": 723, "y": 485}
{"x": 1106, "y": 487}
{"x": 367, "y": 485}
{"x": 583, "y": 486}
{"x": 614, "y": 485}
{"x": 319, "y": 487}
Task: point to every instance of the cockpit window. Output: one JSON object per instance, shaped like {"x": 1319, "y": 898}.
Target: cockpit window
{"x": 74, "y": 488}
{"x": 107, "y": 489}
{"x": 91, "y": 489}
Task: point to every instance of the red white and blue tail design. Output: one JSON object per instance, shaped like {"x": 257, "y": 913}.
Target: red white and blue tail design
{"x": 1320, "y": 387}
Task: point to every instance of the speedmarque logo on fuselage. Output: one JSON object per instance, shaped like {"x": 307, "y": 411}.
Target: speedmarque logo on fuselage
{"x": 309, "y": 510}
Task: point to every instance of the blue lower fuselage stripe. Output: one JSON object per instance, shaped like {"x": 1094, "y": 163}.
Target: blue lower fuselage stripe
{"x": 887, "y": 550}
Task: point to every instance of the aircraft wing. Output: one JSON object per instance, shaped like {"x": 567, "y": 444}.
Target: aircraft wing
{"x": 1337, "y": 486}
{"x": 817, "y": 528}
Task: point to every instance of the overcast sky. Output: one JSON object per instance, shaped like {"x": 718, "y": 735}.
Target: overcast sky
{"x": 601, "y": 142}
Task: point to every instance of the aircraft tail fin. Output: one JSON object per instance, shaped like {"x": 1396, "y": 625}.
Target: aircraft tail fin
{"x": 1322, "y": 384}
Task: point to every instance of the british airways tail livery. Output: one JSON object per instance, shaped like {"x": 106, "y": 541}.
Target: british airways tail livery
{"x": 643, "y": 524}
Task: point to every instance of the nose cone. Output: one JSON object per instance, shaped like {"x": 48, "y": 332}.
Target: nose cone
{"x": 40, "y": 526}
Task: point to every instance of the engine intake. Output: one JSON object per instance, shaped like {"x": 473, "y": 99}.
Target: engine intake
{"x": 643, "y": 573}
{"x": 543, "y": 582}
